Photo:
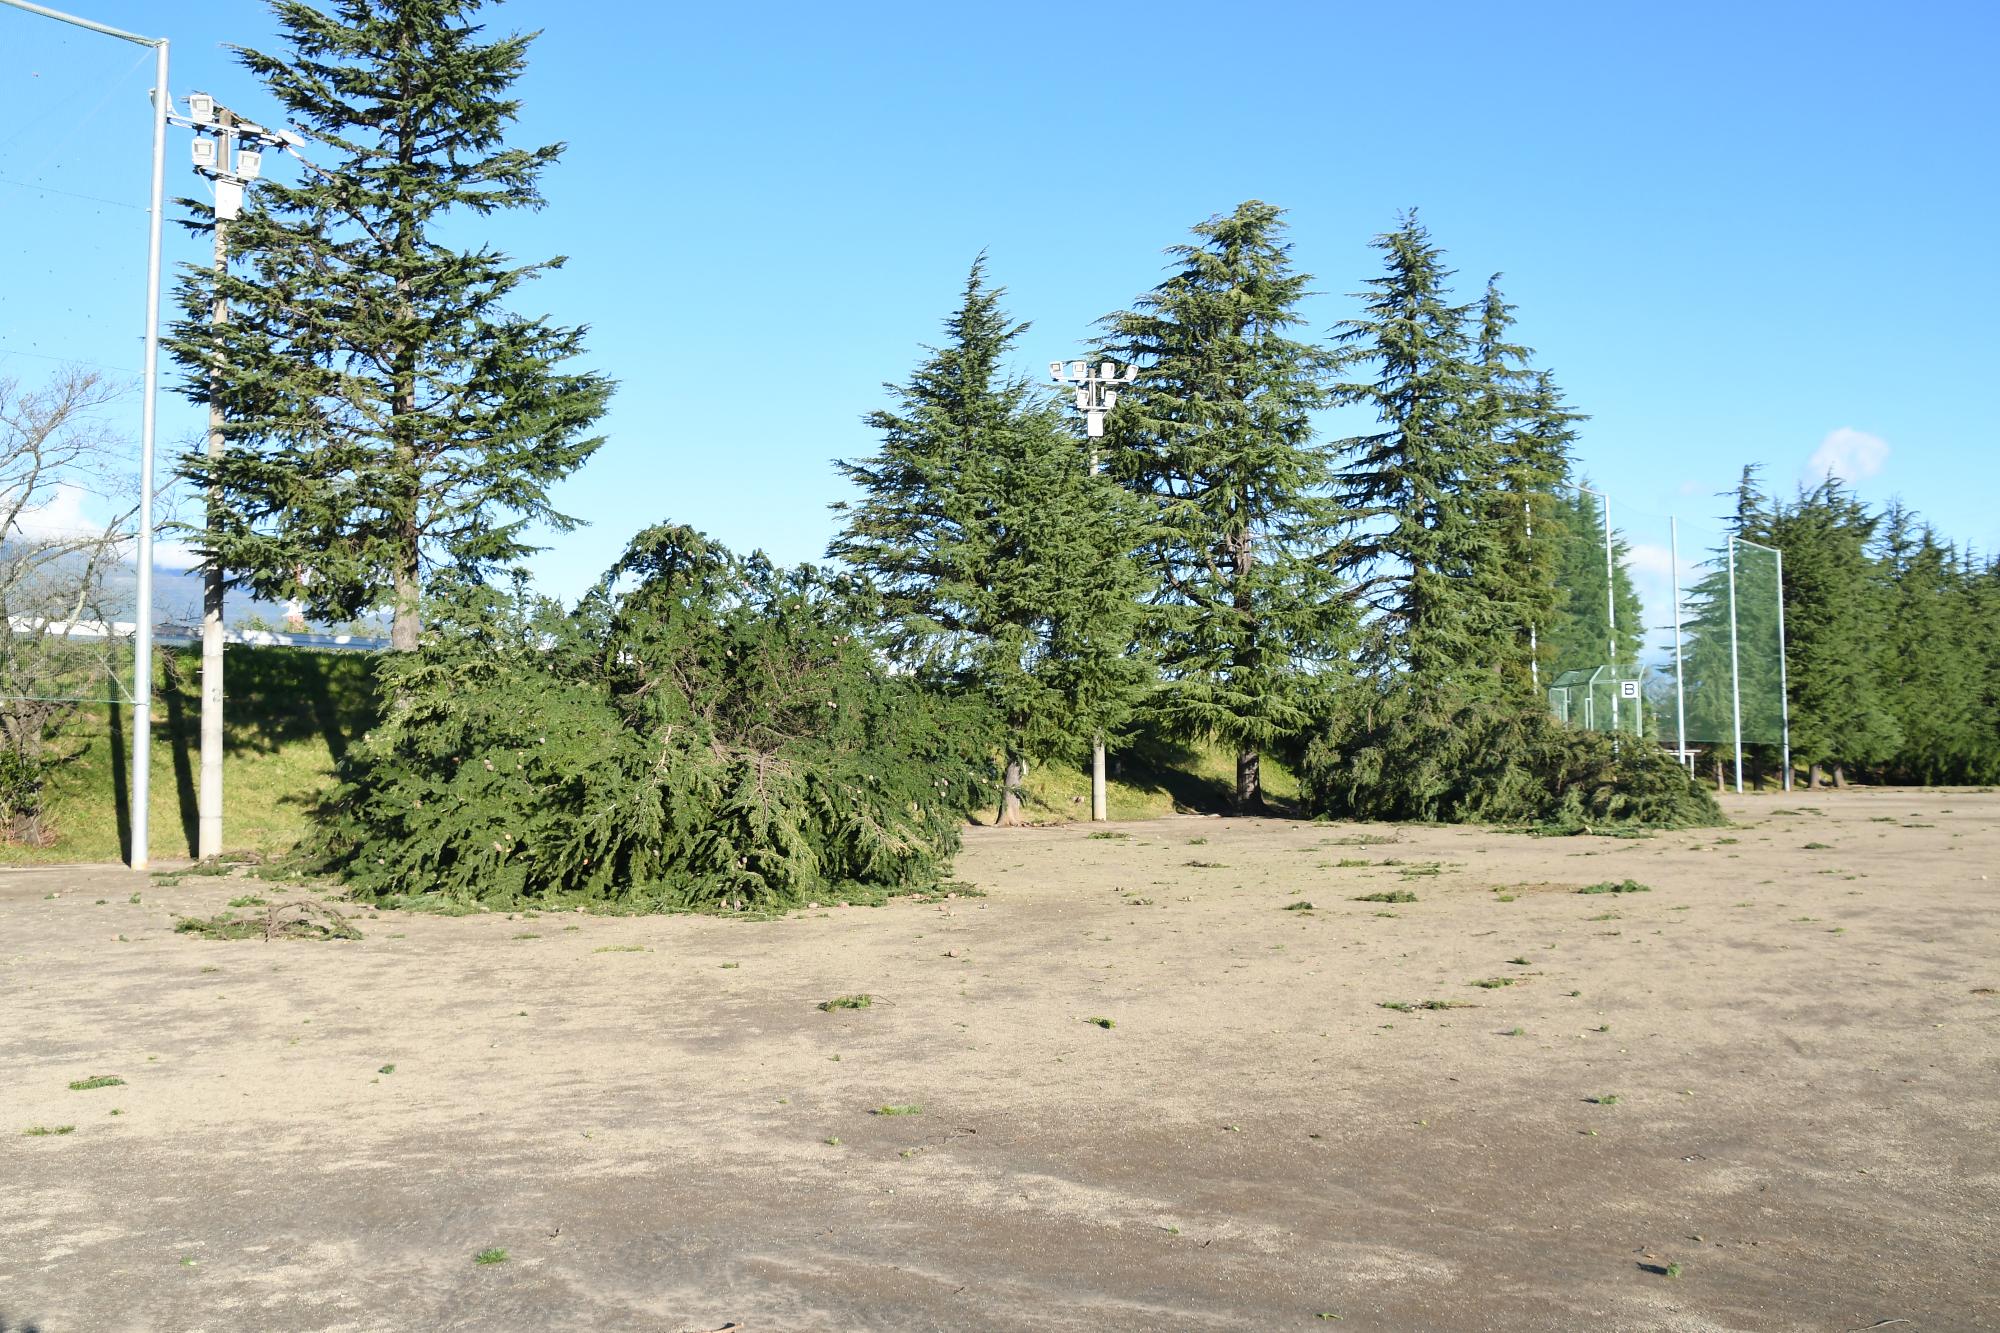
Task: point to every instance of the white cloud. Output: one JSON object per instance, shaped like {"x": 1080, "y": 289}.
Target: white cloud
{"x": 1849, "y": 454}
{"x": 175, "y": 555}
{"x": 62, "y": 517}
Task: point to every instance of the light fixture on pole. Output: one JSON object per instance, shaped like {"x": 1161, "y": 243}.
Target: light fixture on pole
{"x": 1096, "y": 394}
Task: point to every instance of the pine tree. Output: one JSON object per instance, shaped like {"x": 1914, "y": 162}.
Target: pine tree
{"x": 1216, "y": 435}
{"x": 1927, "y": 662}
{"x": 386, "y": 416}
{"x": 1417, "y": 493}
{"x": 1006, "y": 566}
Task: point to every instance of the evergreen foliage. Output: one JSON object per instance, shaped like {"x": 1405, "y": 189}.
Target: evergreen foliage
{"x": 1580, "y": 633}
{"x": 1469, "y": 755}
{"x": 1005, "y": 565}
{"x": 701, "y": 731}
{"x": 385, "y": 415}
{"x": 1216, "y": 435}
{"x": 1430, "y": 570}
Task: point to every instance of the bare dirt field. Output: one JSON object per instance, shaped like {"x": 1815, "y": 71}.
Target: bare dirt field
{"x": 1763, "y": 1095}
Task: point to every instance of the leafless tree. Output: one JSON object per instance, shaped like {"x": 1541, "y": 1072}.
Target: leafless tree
{"x": 59, "y": 461}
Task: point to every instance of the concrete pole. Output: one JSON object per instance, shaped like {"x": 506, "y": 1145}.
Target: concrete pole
{"x": 1099, "y": 805}
{"x": 209, "y": 794}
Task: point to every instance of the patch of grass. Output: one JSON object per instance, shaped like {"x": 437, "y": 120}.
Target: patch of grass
{"x": 249, "y": 900}
{"x": 1205, "y": 865}
{"x": 1101, "y": 1022}
{"x": 619, "y": 948}
{"x": 894, "y": 1108}
{"x": 1603, "y": 1099}
{"x": 1302, "y": 905}
{"x": 1672, "y": 1270}
{"x": 1404, "y": 1007}
{"x": 1388, "y": 896}
{"x": 1518, "y": 962}
{"x": 1817, "y": 847}
{"x": 730, "y": 965}
{"x": 1197, "y": 842}
{"x": 1622, "y": 886}
{"x": 527, "y": 935}
{"x": 1109, "y": 835}
{"x": 1352, "y": 862}
{"x": 44, "y": 1131}
{"x": 1504, "y": 897}
{"x": 495, "y": 1255}
{"x": 97, "y": 1081}
{"x": 1366, "y": 840}
{"x": 846, "y": 1002}
{"x": 1494, "y": 983}
{"x": 1421, "y": 870}
{"x": 1515, "y": 1032}
{"x": 386, "y": 1069}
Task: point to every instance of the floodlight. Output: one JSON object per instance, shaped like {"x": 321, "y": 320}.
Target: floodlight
{"x": 249, "y": 163}
{"x": 1107, "y": 370}
{"x": 1055, "y": 371}
{"x": 201, "y": 108}
{"x": 1110, "y": 399}
{"x": 1083, "y": 400}
{"x": 1076, "y": 370}
{"x": 1132, "y": 373}
{"x": 204, "y": 152}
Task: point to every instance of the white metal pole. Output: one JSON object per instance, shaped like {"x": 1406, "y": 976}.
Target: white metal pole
{"x": 1680, "y": 684}
{"x": 1784, "y": 691}
{"x": 142, "y": 656}
{"x": 1534, "y": 649}
{"x": 208, "y": 801}
{"x": 1610, "y": 612}
{"x": 142, "y": 663}
{"x": 1735, "y": 677}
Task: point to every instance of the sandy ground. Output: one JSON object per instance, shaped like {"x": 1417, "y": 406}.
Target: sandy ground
{"x": 661, "y": 1129}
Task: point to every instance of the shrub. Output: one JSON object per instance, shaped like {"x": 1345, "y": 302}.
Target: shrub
{"x": 701, "y": 731}
{"x": 1471, "y": 756}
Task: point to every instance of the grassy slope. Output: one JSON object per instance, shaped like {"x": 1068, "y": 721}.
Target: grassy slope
{"x": 292, "y": 713}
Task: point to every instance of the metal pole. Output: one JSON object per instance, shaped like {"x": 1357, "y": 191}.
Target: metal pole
{"x": 1680, "y": 684}
{"x": 142, "y": 656}
{"x": 1735, "y": 677}
{"x": 142, "y": 665}
{"x": 1534, "y": 649}
{"x": 1784, "y": 692}
{"x": 1610, "y": 612}
{"x": 209, "y": 797}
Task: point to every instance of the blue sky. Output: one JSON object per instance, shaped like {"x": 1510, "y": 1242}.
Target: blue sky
{"x": 1736, "y": 233}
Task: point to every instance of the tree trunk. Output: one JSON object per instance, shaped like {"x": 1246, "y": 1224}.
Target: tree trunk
{"x": 1815, "y": 777}
{"x": 1840, "y": 775}
{"x": 1249, "y": 783}
{"x": 1720, "y": 784}
{"x": 1010, "y": 793}
{"x": 409, "y": 621}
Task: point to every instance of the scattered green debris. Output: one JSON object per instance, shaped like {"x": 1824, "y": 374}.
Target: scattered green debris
{"x": 1302, "y": 905}
{"x": 97, "y": 1081}
{"x": 495, "y": 1255}
{"x": 1388, "y": 896}
{"x": 910, "y": 1108}
{"x": 43, "y": 1131}
{"x": 1623, "y": 886}
{"x": 846, "y": 1002}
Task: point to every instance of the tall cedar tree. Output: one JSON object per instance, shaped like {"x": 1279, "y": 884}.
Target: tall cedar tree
{"x": 386, "y": 416}
{"x": 1217, "y": 435}
{"x": 1522, "y": 414}
{"x": 1005, "y": 565}
{"x": 1834, "y": 607}
{"x": 1425, "y": 564}
{"x": 1578, "y": 635}
{"x": 1928, "y": 659}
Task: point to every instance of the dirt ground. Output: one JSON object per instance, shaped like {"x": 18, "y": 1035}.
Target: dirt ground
{"x": 1762, "y": 1096}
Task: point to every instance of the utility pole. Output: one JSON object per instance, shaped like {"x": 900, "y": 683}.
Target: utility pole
{"x": 1096, "y": 395}
{"x": 229, "y": 152}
